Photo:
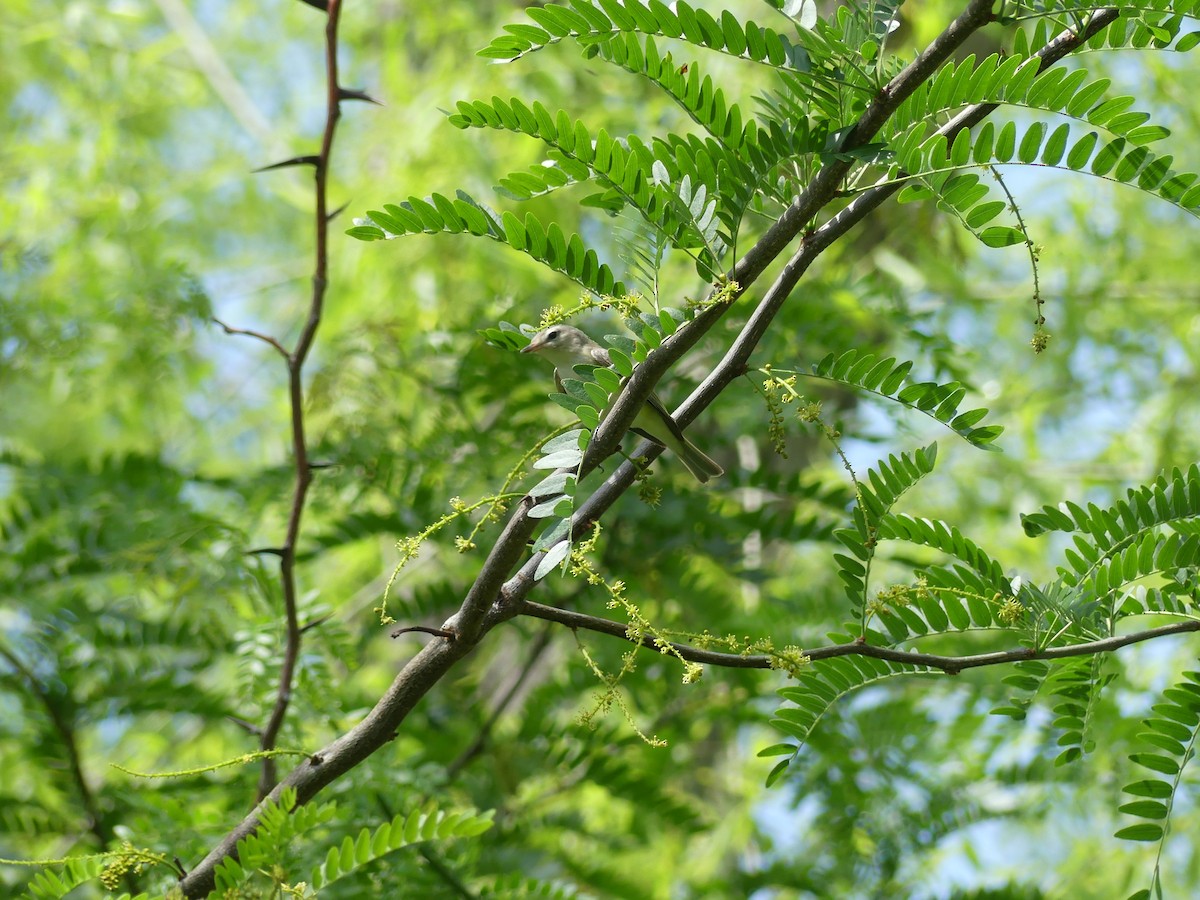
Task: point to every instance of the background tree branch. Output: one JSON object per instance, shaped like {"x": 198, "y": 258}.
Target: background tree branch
{"x": 295, "y": 365}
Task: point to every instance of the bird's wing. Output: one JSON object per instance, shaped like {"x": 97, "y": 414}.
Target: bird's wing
{"x": 657, "y": 405}
{"x": 602, "y": 358}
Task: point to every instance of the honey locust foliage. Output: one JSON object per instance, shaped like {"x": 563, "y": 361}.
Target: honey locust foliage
{"x": 695, "y": 190}
{"x": 284, "y": 821}
{"x": 125, "y": 609}
{"x": 1153, "y": 533}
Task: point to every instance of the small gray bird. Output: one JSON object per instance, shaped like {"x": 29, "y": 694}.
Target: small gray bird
{"x": 566, "y": 346}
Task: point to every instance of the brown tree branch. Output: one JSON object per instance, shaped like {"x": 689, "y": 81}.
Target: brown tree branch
{"x": 573, "y": 619}
{"x": 951, "y": 665}
{"x": 494, "y": 597}
{"x": 295, "y": 364}
{"x": 604, "y": 442}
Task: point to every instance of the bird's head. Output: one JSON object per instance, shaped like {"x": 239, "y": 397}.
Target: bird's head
{"x": 563, "y": 345}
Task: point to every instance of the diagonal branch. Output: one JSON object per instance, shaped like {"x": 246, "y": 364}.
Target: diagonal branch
{"x": 737, "y": 357}
{"x": 620, "y": 416}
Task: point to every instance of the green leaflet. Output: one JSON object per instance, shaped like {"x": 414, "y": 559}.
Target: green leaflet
{"x": 885, "y": 377}
{"x": 593, "y": 24}
{"x": 418, "y": 826}
{"x": 545, "y": 243}
{"x": 1170, "y": 739}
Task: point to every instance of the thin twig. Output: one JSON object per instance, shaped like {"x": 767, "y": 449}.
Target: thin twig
{"x": 265, "y": 338}
{"x": 245, "y": 725}
{"x": 315, "y": 623}
{"x": 951, "y": 665}
{"x": 425, "y": 629}
{"x": 295, "y": 360}
{"x": 573, "y": 619}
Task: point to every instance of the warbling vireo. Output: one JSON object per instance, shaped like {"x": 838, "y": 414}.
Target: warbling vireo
{"x": 566, "y": 346}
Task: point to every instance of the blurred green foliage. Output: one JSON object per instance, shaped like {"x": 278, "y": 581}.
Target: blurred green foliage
{"x": 145, "y": 456}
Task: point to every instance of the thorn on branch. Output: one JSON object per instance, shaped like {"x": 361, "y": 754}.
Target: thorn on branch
{"x": 265, "y": 551}
{"x": 248, "y": 726}
{"x": 329, "y": 217}
{"x": 425, "y": 629}
{"x": 315, "y": 623}
{"x": 355, "y": 94}
{"x": 322, "y": 465}
{"x": 178, "y": 863}
{"x": 294, "y": 161}
{"x": 317, "y": 4}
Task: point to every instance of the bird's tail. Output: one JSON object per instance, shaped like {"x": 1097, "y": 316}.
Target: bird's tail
{"x": 697, "y": 461}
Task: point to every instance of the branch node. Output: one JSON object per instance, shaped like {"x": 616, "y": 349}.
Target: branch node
{"x": 243, "y": 724}
{"x": 257, "y": 335}
{"x": 316, "y": 759}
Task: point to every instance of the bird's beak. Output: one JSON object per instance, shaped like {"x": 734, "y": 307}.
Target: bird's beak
{"x": 532, "y": 347}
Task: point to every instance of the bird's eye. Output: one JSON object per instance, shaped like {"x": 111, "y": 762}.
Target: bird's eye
{"x": 552, "y": 335}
